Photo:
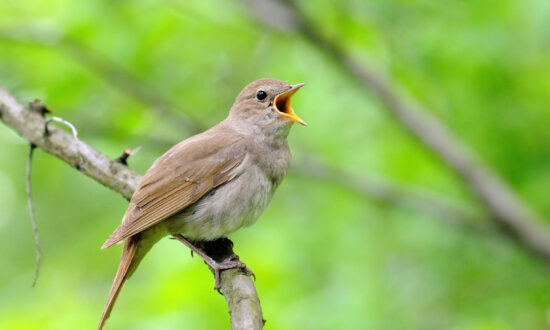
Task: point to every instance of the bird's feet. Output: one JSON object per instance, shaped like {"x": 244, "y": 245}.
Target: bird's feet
{"x": 230, "y": 263}
{"x": 222, "y": 251}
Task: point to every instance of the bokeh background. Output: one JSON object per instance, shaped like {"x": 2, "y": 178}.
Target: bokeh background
{"x": 134, "y": 74}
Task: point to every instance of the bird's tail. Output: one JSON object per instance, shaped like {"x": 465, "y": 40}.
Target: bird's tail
{"x": 129, "y": 251}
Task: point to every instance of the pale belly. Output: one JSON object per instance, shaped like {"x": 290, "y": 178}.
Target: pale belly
{"x": 235, "y": 204}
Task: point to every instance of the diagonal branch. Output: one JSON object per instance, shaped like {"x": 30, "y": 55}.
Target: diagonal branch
{"x": 240, "y": 293}
{"x": 388, "y": 194}
{"x": 505, "y": 207}
{"x": 113, "y": 73}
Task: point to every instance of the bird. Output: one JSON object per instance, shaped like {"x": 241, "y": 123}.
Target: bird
{"x": 211, "y": 184}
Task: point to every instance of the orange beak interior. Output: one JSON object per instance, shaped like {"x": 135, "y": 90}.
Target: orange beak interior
{"x": 282, "y": 104}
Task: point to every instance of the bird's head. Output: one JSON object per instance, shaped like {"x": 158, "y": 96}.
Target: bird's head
{"x": 266, "y": 103}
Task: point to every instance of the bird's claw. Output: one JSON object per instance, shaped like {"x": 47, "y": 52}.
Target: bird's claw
{"x": 249, "y": 272}
{"x": 228, "y": 264}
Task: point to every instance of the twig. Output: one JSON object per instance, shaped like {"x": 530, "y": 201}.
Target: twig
{"x": 63, "y": 121}
{"x": 505, "y": 207}
{"x": 238, "y": 288}
{"x": 123, "y": 158}
{"x": 75, "y": 135}
{"x": 31, "y": 212}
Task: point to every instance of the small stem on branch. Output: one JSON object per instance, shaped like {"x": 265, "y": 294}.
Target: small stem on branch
{"x": 33, "y": 219}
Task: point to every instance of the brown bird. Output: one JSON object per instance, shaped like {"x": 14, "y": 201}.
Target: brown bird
{"x": 210, "y": 184}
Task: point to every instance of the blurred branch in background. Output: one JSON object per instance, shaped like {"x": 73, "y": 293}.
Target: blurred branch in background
{"x": 112, "y": 73}
{"x": 505, "y": 207}
{"x": 383, "y": 190}
{"x": 387, "y": 193}
{"x": 238, "y": 288}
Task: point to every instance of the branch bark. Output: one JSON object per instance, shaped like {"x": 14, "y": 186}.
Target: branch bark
{"x": 238, "y": 288}
{"x": 505, "y": 207}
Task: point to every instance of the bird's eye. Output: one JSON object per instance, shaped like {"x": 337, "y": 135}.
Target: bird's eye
{"x": 261, "y": 95}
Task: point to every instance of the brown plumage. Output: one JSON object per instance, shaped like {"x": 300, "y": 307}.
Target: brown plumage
{"x": 193, "y": 169}
{"x": 213, "y": 183}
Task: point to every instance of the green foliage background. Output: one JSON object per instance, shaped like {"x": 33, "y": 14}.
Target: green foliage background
{"x": 325, "y": 256}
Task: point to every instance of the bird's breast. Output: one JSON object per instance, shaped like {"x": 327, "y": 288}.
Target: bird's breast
{"x": 228, "y": 207}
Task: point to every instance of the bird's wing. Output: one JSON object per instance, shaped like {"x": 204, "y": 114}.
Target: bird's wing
{"x": 179, "y": 178}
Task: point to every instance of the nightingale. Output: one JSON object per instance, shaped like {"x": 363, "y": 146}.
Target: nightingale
{"x": 210, "y": 184}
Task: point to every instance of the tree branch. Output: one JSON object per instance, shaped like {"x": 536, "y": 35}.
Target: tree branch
{"x": 505, "y": 207}
{"x": 387, "y": 193}
{"x": 238, "y": 288}
{"x": 114, "y": 74}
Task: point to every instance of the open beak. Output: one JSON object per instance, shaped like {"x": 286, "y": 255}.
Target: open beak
{"x": 282, "y": 104}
